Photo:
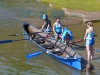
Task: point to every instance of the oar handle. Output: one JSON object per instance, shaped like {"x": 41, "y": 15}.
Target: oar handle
{"x": 80, "y": 40}
{"x": 95, "y": 35}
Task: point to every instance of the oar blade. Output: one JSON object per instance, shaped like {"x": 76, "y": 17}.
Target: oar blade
{"x": 31, "y": 55}
{"x": 97, "y": 50}
{"x": 5, "y": 41}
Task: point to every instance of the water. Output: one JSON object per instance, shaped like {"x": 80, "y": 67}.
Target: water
{"x": 12, "y": 55}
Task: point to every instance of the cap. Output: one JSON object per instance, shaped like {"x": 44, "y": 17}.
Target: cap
{"x": 44, "y": 16}
{"x": 65, "y": 29}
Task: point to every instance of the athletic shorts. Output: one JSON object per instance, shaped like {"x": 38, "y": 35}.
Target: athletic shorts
{"x": 59, "y": 33}
{"x": 90, "y": 42}
{"x": 49, "y": 30}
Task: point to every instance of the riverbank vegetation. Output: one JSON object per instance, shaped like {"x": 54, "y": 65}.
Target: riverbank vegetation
{"x": 86, "y": 5}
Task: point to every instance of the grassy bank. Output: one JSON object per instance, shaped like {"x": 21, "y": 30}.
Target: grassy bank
{"x": 87, "y": 5}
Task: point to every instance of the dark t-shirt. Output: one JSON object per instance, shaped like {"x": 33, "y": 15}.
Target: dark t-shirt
{"x": 48, "y": 22}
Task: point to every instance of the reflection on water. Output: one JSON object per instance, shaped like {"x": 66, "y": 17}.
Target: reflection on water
{"x": 12, "y": 55}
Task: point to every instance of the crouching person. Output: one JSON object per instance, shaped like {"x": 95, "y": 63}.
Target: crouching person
{"x": 67, "y": 37}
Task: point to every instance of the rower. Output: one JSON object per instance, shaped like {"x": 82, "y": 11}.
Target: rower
{"x": 46, "y": 27}
{"x": 57, "y": 28}
{"x": 67, "y": 37}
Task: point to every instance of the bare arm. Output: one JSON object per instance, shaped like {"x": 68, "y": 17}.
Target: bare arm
{"x": 54, "y": 28}
{"x": 62, "y": 29}
{"x": 85, "y": 34}
{"x": 43, "y": 26}
{"x": 48, "y": 27}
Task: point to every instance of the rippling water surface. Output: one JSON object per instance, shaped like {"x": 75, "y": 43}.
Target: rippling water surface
{"x": 12, "y": 55}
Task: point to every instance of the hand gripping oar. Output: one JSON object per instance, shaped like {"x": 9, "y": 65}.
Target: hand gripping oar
{"x": 24, "y": 34}
{"x": 8, "y": 41}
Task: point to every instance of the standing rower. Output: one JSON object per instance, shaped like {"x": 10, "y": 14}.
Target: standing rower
{"x": 57, "y": 28}
{"x": 89, "y": 37}
{"x": 47, "y": 24}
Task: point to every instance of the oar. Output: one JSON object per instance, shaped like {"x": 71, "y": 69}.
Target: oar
{"x": 34, "y": 54}
{"x": 8, "y": 41}
{"x": 97, "y": 50}
{"x": 80, "y": 40}
{"x": 28, "y": 56}
{"x": 77, "y": 41}
{"x": 24, "y": 34}
{"x": 56, "y": 41}
{"x": 18, "y": 34}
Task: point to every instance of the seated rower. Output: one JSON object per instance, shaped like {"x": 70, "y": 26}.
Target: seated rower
{"x": 67, "y": 36}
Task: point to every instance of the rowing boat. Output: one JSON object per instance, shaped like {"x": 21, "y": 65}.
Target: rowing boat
{"x": 55, "y": 49}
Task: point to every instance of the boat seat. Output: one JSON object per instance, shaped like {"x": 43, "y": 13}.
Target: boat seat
{"x": 57, "y": 52}
{"x": 78, "y": 55}
{"x": 40, "y": 40}
{"x": 48, "y": 46}
{"x": 73, "y": 53}
{"x": 70, "y": 51}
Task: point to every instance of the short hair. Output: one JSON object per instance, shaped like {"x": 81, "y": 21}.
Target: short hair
{"x": 57, "y": 18}
{"x": 90, "y": 24}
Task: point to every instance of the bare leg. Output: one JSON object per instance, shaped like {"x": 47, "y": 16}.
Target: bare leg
{"x": 92, "y": 52}
{"x": 88, "y": 53}
{"x": 70, "y": 43}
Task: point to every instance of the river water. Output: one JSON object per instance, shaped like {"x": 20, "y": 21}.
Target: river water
{"x": 12, "y": 55}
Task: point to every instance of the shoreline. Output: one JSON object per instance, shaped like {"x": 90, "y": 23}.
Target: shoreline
{"x": 86, "y": 16}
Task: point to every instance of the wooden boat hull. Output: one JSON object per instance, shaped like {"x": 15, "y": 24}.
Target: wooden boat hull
{"x": 74, "y": 62}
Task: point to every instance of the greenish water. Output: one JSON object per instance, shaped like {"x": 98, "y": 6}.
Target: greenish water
{"x": 12, "y": 55}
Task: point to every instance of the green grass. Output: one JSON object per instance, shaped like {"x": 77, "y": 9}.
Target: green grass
{"x": 87, "y": 5}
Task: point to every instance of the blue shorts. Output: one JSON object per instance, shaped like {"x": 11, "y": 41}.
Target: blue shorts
{"x": 49, "y": 29}
{"x": 90, "y": 42}
{"x": 59, "y": 33}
